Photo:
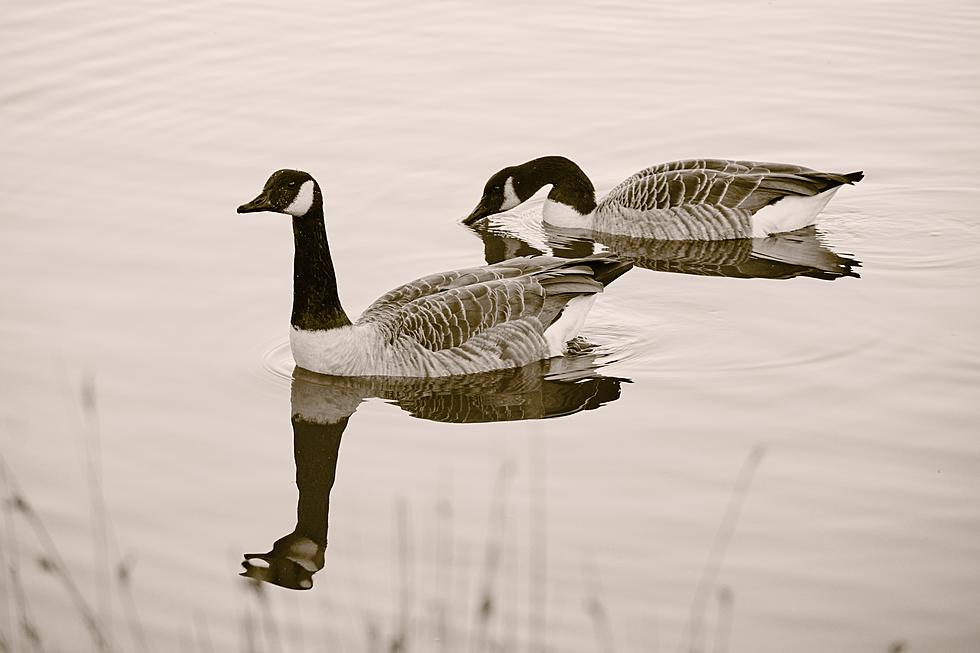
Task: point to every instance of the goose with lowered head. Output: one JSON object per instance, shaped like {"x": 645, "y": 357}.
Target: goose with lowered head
{"x": 695, "y": 199}
{"x": 457, "y": 322}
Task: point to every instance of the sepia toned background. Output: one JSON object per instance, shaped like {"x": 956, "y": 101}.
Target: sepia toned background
{"x": 793, "y": 466}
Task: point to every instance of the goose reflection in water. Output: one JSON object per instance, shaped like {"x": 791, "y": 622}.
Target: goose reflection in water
{"x": 780, "y": 256}
{"x": 322, "y": 405}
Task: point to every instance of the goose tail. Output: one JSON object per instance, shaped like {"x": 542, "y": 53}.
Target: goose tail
{"x": 607, "y": 269}
{"x": 570, "y": 290}
{"x": 818, "y": 182}
{"x": 583, "y": 276}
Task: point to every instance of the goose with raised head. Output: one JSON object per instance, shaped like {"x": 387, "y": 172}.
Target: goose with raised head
{"x": 695, "y": 199}
{"x": 457, "y": 322}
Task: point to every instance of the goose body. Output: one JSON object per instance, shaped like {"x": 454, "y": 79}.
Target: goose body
{"x": 462, "y": 322}
{"x": 694, "y": 199}
{"x": 457, "y": 322}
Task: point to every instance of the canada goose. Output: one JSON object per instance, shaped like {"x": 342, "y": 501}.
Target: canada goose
{"x": 697, "y": 199}
{"x": 458, "y": 322}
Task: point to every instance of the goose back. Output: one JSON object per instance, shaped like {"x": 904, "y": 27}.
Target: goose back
{"x": 713, "y": 199}
{"x": 459, "y": 322}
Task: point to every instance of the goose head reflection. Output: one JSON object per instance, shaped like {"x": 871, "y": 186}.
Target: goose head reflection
{"x": 322, "y": 405}
{"x": 780, "y": 256}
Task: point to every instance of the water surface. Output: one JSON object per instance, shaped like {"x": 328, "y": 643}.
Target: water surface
{"x": 793, "y": 464}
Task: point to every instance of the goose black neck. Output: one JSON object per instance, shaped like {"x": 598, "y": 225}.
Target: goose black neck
{"x": 569, "y": 184}
{"x": 316, "y": 304}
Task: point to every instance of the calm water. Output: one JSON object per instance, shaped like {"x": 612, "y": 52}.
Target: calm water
{"x": 756, "y": 464}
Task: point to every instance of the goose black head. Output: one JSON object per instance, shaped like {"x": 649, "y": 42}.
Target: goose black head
{"x": 499, "y": 194}
{"x": 287, "y": 191}
{"x": 516, "y": 184}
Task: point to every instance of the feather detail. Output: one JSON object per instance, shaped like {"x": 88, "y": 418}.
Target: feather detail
{"x": 460, "y": 322}
{"x": 709, "y": 199}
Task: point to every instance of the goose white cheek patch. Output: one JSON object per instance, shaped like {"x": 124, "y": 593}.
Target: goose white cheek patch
{"x": 510, "y": 196}
{"x": 303, "y": 201}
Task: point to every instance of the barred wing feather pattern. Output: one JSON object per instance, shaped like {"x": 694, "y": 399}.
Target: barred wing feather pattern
{"x": 705, "y": 199}
{"x": 464, "y": 320}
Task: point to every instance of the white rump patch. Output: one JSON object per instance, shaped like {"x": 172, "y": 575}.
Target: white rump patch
{"x": 510, "y": 196}
{"x": 303, "y": 201}
{"x": 568, "y": 325}
{"x": 789, "y": 214}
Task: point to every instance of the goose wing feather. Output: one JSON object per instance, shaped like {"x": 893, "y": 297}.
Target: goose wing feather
{"x": 453, "y": 317}
{"x": 745, "y": 185}
{"x": 447, "y": 310}
{"x": 391, "y": 302}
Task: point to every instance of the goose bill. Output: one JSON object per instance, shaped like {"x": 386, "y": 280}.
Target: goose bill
{"x": 260, "y": 203}
{"x": 482, "y": 210}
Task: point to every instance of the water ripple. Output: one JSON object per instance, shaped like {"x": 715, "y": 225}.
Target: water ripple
{"x": 914, "y": 230}
{"x": 277, "y": 360}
